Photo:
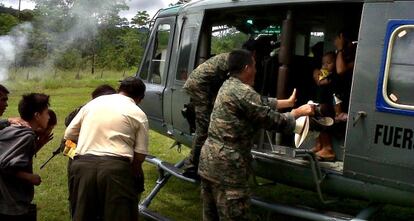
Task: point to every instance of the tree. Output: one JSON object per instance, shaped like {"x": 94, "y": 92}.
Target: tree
{"x": 7, "y": 22}
{"x": 141, "y": 19}
{"x": 133, "y": 51}
{"x": 72, "y": 35}
{"x": 69, "y": 59}
{"x": 82, "y": 25}
{"x": 226, "y": 39}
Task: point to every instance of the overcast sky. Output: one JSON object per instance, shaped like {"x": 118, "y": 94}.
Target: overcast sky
{"x": 151, "y": 6}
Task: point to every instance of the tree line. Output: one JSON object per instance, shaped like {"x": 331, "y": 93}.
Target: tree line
{"x": 74, "y": 35}
{"x": 89, "y": 35}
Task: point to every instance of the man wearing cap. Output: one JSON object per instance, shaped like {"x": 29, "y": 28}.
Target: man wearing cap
{"x": 111, "y": 133}
{"x": 225, "y": 157}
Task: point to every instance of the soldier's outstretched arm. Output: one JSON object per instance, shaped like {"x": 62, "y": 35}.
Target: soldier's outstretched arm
{"x": 265, "y": 116}
{"x": 304, "y": 110}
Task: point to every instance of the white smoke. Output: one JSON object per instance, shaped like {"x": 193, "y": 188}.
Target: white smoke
{"x": 12, "y": 45}
{"x": 85, "y": 26}
{"x": 84, "y": 17}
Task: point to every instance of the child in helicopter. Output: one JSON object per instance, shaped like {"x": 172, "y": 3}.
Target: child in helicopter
{"x": 323, "y": 78}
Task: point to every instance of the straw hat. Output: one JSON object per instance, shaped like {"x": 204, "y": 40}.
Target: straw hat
{"x": 321, "y": 122}
{"x": 301, "y": 130}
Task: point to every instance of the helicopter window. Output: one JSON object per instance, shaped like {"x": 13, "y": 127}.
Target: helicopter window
{"x": 225, "y": 39}
{"x": 145, "y": 66}
{"x": 399, "y": 69}
{"x": 160, "y": 53}
{"x": 185, "y": 50}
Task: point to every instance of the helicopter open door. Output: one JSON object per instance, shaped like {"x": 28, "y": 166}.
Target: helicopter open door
{"x": 154, "y": 70}
{"x": 176, "y": 98}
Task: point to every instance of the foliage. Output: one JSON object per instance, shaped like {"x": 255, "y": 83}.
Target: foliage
{"x": 227, "y": 40}
{"x": 72, "y": 35}
{"x": 69, "y": 59}
{"x": 7, "y": 22}
{"x": 141, "y": 19}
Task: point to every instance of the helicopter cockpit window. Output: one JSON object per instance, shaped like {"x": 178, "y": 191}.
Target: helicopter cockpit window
{"x": 399, "y": 69}
{"x": 160, "y": 53}
{"x": 225, "y": 39}
{"x": 145, "y": 67}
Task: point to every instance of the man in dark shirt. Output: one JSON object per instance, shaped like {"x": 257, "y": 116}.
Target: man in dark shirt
{"x": 18, "y": 146}
{"x": 3, "y": 106}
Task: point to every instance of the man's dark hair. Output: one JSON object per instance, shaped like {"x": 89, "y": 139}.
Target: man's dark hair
{"x": 250, "y": 45}
{"x": 104, "y": 89}
{"x": 32, "y": 103}
{"x": 261, "y": 45}
{"x": 238, "y": 59}
{"x": 3, "y": 89}
{"x": 52, "y": 118}
{"x": 133, "y": 87}
{"x": 348, "y": 33}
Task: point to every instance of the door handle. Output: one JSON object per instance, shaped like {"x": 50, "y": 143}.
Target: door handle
{"x": 159, "y": 93}
{"x": 360, "y": 115}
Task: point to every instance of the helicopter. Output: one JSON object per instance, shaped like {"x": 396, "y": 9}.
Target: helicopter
{"x": 373, "y": 160}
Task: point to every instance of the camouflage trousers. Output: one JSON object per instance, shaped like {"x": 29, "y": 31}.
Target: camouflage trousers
{"x": 202, "y": 118}
{"x": 224, "y": 203}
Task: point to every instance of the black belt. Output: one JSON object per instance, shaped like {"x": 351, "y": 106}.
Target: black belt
{"x": 95, "y": 157}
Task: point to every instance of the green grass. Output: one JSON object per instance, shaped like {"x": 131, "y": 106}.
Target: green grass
{"x": 178, "y": 200}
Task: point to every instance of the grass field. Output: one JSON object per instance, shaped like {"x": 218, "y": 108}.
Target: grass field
{"x": 177, "y": 200}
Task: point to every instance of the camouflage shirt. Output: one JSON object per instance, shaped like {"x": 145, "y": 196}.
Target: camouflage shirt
{"x": 237, "y": 114}
{"x": 204, "y": 81}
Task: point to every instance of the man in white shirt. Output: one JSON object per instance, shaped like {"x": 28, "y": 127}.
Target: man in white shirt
{"x": 111, "y": 132}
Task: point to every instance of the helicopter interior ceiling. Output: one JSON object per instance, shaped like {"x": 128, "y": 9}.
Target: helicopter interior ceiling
{"x": 257, "y": 19}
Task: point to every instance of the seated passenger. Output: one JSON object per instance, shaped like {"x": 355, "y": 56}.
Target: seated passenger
{"x": 344, "y": 68}
{"x": 341, "y": 87}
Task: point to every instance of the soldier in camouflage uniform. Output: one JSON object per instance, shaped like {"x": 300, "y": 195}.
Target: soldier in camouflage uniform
{"x": 202, "y": 86}
{"x": 225, "y": 158}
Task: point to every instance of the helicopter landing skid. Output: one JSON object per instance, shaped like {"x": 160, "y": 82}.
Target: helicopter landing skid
{"x": 165, "y": 170}
{"x": 311, "y": 214}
